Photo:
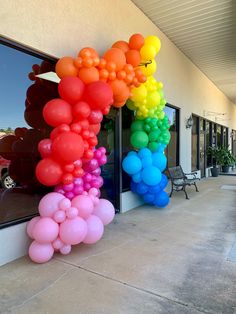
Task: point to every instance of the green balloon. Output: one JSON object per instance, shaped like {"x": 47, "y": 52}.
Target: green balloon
{"x": 153, "y": 146}
{"x": 137, "y": 125}
{"x": 130, "y": 104}
{"x": 153, "y": 136}
{"x": 147, "y": 128}
{"x": 139, "y": 139}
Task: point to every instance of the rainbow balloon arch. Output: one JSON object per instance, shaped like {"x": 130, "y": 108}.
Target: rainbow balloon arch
{"x": 74, "y": 213}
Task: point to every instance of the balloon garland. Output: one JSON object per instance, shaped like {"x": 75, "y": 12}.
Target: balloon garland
{"x": 89, "y": 85}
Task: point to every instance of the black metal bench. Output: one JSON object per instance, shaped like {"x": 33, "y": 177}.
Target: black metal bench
{"x": 179, "y": 180}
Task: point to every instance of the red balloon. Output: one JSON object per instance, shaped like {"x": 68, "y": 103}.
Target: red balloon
{"x": 68, "y": 147}
{"x": 49, "y": 172}
{"x": 71, "y": 89}
{"x": 45, "y": 148}
{"x": 56, "y": 112}
{"x": 98, "y": 94}
{"x": 96, "y": 116}
{"x": 95, "y": 128}
{"x": 81, "y": 110}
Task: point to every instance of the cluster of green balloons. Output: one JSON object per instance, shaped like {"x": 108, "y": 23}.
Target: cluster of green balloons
{"x": 150, "y": 132}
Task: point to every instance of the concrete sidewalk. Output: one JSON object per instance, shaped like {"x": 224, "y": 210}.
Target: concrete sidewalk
{"x": 179, "y": 259}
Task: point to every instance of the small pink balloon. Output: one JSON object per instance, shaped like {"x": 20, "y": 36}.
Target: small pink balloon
{"x": 73, "y": 231}
{"x": 45, "y": 230}
{"x": 78, "y": 181}
{"x": 64, "y": 204}
{"x": 69, "y": 195}
{"x": 41, "y": 252}
{"x": 49, "y": 204}
{"x": 96, "y": 172}
{"x": 87, "y": 186}
{"x": 30, "y": 226}
{"x": 68, "y": 187}
{"x": 95, "y": 230}
{"x": 59, "y": 216}
{"x": 93, "y": 191}
{"x": 66, "y": 249}
{"x": 72, "y": 212}
{"x": 57, "y": 244}
{"x": 84, "y": 205}
{"x": 102, "y": 160}
{"x": 102, "y": 150}
{"x": 105, "y": 211}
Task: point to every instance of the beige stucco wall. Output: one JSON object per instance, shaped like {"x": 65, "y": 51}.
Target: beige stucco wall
{"x": 60, "y": 28}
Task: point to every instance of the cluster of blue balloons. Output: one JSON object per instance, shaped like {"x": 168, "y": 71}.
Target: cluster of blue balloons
{"x": 146, "y": 168}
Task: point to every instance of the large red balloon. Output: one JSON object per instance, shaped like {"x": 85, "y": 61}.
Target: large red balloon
{"x": 49, "y": 172}
{"x": 56, "y": 112}
{"x": 98, "y": 94}
{"x": 81, "y": 110}
{"x": 71, "y": 89}
{"x": 68, "y": 147}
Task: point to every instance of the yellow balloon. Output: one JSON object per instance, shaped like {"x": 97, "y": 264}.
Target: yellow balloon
{"x": 150, "y": 68}
{"x": 153, "y": 99}
{"x": 148, "y": 52}
{"x": 159, "y": 85}
{"x": 153, "y": 41}
{"x": 138, "y": 94}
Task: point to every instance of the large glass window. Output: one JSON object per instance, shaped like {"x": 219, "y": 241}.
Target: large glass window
{"x": 233, "y": 143}
{"x": 22, "y": 126}
{"x": 219, "y": 135}
{"x": 208, "y": 141}
{"x": 195, "y": 144}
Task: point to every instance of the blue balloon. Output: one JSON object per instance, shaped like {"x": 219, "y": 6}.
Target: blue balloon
{"x": 146, "y": 161}
{"x": 155, "y": 189}
{"x": 133, "y": 187}
{"x": 144, "y": 152}
{"x": 151, "y": 175}
{"x": 161, "y": 148}
{"x": 132, "y": 153}
{"x": 159, "y": 160}
{"x": 164, "y": 181}
{"x": 137, "y": 177}
{"x": 131, "y": 164}
{"x": 162, "y": 199}
{"x": 149, "y": 198}
{"x": 142, "y": 188}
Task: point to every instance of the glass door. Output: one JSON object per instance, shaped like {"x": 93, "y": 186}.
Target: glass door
{"x": 202, "y": 148}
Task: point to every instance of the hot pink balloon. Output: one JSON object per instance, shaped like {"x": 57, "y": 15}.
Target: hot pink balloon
{"x": 30, "y": 226}
{"x": 45, "y": 230}
{"x": 73, "y": 231}
{"x": 41, "y": 252}
{"x": 49, "y": 204}
{"x": 84, "y": 205}
{"x": 95, "y": 230}
{"x": 105, "y": 211}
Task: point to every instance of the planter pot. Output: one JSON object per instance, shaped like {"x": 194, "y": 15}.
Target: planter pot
{"x": 225, "y": 168}
{"x": 214, "y": 172}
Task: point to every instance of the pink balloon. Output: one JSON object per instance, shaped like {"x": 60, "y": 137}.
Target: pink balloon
{"x": 59, "y": 216}
{"x": 30, "y": 226}
{"x": 45, "y": 230}
{"x": 64, "y": 204}
{"x": 95, "y": 230}
{"x": 93, "y": 191}
{"x": 49, "y": 204}
{"x": 84, "y": 205}
{"x": 73, "y": 231}
{"x": 40, "y": 252}
{"x": 105, "y": 211}
{"x": 57, "y": 244}
{"x": 66, "y": 249}
{"x": 72, "y": 212}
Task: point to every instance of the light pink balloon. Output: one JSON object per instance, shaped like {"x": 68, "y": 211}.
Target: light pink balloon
{"x": 66, "y": 249}
{"x": 72, "y": 212}
{"x": 57, "y": 244}
{"x": 105, "y": 211}
{"x": 59, "y": 216}
{"x": 30, "y": 226}
{"x": 95, "y": 230}
{"x": 64, "y": 204}
{"x": 84, "y": 205}
{"x": 49, "y": 204}
{"x": 73, "y": 231}
{"x": 40, "y": 252}
{"x": 45, "y": 230}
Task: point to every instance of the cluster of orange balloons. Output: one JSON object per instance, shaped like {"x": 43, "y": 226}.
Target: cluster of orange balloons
{"x": 119, "y": 67}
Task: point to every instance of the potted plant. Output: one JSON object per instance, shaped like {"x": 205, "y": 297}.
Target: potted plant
{"x": 214, "y": 152}
{"x": 226, "y": 159}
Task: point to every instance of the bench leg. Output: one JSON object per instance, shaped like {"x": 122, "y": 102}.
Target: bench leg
{"x": 171, "y": 190}
{"x": 196, "y": 187}
{"x": 185, "y": 193}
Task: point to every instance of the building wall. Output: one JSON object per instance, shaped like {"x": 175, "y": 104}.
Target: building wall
{"x": 60, "y": 28}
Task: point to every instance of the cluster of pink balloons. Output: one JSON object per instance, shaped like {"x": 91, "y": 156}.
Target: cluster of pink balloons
{"x": 90, "y": 179}
{"x": 63, "y": 223}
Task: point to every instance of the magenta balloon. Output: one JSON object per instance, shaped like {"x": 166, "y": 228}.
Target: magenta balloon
{"x": 78, "y": 190}
{"x": 102, "y": 150}
{"x": 40, "y": 252}
{"x": 69, "y": 195}
{"x": 68, "y": 187}
{"x": 87, "y": 186}
{"x": 84, "y": 204}
{"x": 73, "y": 231}
{"x": 78, "y": 181}
{"x": 105, "y": 211}
{"x": 95, "y": 230}
{"x": 49, "y": 204}
{"x": 87, "y": 177}
{"x": 45, "y": 230}
{"x": 97, "y": 154}
{"x": 30, "y": 226}
{"x": 96, "y": 172}
{"x": 102, "y": 160}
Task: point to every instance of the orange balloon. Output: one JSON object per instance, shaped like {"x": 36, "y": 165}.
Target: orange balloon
{"x": 120, "y": 90}
{"x": 65, "y": 67}
{"x": 136, "y": 41}
{"x": 133, "y": 57}
{"x": 117, "y": 56}
{"x": 88, "y": 52}
{"x": 89, "y": 75}
{"x": 122, "y": 45}
{"x": 118, "y": 104}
